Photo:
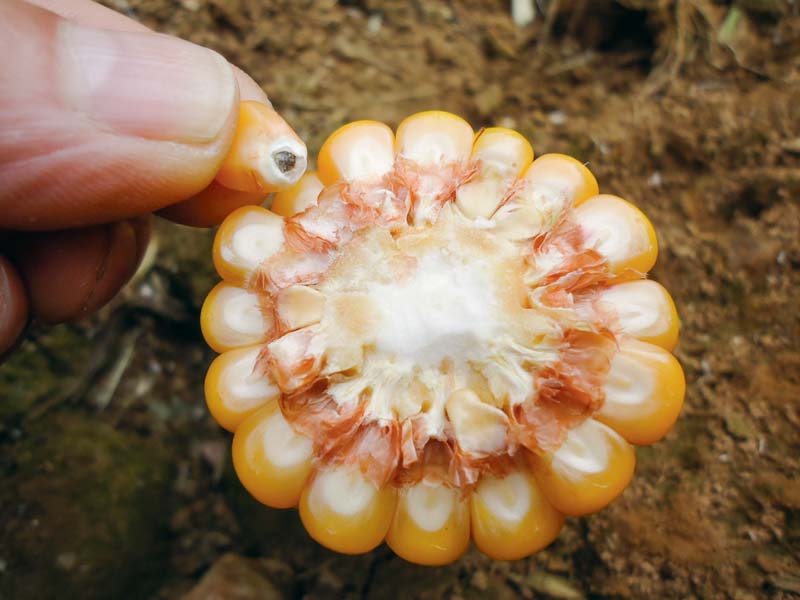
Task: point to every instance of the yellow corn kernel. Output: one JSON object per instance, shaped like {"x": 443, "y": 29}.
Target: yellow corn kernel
{"x": 210, "y": 206}
{"x": 591, "y": 468}
{"x": 563, "y": 176}
{"x": 431, "y": 524}
{"x": 644, "y": 392}
{"x": 299, "y": 197}
{"x": 248, "y": 236}
{"x": 511, "y": 518}
{"x": 232, "y": 317}
{"x": 345, "y": 512}
{"x": 265, "y": 155}
{"x": 503, "y": 154}
{"x": 433, "y": 137}
{"x": 644, "y": 310}
{"x": 234, "y": 388}
{"x": 271, "y": 459}
{"x": 362, "y": 149}
{"x": 506, "y": 151}
{"x": 619, "y": 231}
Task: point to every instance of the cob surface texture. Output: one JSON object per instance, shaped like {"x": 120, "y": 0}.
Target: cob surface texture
{"x": 435, "y": 338}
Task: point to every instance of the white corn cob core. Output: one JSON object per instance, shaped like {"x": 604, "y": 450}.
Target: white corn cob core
{"x": 448, "y": 309}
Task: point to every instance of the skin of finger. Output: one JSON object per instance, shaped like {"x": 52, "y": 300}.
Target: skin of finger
{"x": 13, "y": 306}
{"x": 70, "y": 274}
{"x": 92, "y": 14}
{"x": 59, "y": 171}
{"x": 209, "y": 207}
{"x": 142, "y": 228}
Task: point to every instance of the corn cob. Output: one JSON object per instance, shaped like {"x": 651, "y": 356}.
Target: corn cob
{"x": 436, "y": 338}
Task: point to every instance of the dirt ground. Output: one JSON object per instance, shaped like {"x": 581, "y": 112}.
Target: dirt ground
{"x": 117, "y": 484}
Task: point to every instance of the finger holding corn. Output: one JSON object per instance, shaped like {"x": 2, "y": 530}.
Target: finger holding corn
{"x": 437, "y": 338}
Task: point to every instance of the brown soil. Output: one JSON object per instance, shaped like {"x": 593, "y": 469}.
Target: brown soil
{"x": 691, "y": 109}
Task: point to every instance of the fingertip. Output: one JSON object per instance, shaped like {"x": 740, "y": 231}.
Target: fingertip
{"x": 13, "y": 306}
{"x": 142, "y": 227}
{"x": 249, "y": 89}
{"x": 70, "y": 274}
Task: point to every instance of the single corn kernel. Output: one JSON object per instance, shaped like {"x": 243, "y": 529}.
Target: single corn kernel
{"x": 266, "y": 155}
{"x": 642, "y": 309}
{"x": 234, "y": 388}
{"x": 619, "y": 232}
{"x": 359, "y": 150}
{"x": 346, "y": 512}
{"x": 233, "y": 317}
{"x": 455, "y": 338}
{"x": 434, "y": 137}
{"x": 644, "y": 392}
{"x": 431, "y": 524}
{"x": 245, "y": 239}
{"x": 511, "y": 518}
{"x": 588, "y": 470}
{"x": 271, "y": 459}
{"x": 562, "y": 177}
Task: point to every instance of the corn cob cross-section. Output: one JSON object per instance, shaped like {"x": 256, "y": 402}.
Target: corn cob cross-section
{"x": 435, "y": 338}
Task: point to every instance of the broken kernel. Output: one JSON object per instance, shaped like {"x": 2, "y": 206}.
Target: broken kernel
{"x": 442, "y": 340}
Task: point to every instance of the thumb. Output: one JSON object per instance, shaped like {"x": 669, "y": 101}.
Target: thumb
{"x": 99, "y": 125}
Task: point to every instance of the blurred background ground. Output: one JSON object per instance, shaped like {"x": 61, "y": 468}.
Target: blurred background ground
{"x": 115, "y": 482}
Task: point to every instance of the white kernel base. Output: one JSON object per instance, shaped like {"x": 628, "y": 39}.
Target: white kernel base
{"x": 341, "y": 490}
{"x": 430, "y": 506}
{"x": 284, "y": 447}
{"x": 508, "y": 498}
{"x": 242, "y": 387}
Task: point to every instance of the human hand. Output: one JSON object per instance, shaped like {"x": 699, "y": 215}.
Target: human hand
{"x": 102, "y": 122}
